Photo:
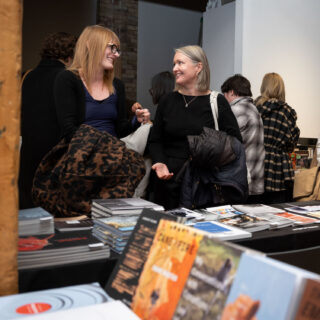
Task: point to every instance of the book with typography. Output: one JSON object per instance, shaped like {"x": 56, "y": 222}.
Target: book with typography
{"x": 124, "y": 278}
{"x": 187, "y": 272}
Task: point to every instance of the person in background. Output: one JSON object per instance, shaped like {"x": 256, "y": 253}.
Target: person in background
{"x": 183, "y": 112}
{"x": 39, "y": 124}
{"x": 87, "y": 92}
{"x": 237, "y": 90}
{"x": 161, "y": 84}
{"x": 281, "y": 135}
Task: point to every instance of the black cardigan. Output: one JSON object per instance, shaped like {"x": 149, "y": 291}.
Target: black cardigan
{"x": 174, "y": 122}
{"x": 69, "y": 97}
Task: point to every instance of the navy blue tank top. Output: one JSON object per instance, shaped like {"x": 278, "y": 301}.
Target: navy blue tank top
{"x": 102, "y": 115}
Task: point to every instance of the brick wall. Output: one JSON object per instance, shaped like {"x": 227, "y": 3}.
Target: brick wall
{"x": 122, "y": 17}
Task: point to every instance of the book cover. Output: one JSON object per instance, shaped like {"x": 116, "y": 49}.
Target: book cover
{"x": 298, "y": 219}
{"x": 309, "y": 306}
{"x": 111, "y": 310}
{"x": 187, "y": 213}
{"x": 73, "y": 225}
{"x": 117, "y": 223}
{"x": 209, "y": 282}
{"x": 48, "y": 301}
{"x": 256, "y": 209}
{"x": 166, "y": 270}
{"x": 222, "y": 231}
{"x": 224, "y": 211}
{"x": 124, "y": 278}
{"x": 264, "y": 288}
{"x": 124, "y": 205}
{"x": 34, "y": 214}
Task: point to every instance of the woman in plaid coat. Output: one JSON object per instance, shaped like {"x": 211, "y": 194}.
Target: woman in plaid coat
{"x": 281, "y": 135}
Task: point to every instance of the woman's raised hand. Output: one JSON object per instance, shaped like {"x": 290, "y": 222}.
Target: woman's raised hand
{"x": 143, "y": 115}
{"x": 162, "y": 171}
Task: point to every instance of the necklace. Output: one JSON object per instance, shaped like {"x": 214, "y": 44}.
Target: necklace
{"x": 188, "y": 103}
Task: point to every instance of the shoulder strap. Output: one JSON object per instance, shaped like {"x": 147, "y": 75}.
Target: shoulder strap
{"x": 214, "y": 107}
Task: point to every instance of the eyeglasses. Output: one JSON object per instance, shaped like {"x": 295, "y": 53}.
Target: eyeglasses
{"x": 114, "y": 49}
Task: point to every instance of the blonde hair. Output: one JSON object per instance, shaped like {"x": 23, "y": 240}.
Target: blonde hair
{"x": 89, "y": 52}
{"x": 196, "y": 54}
{"x": 272, "y": 87}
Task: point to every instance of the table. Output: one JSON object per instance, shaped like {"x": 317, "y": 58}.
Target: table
{"x": 299, "y": 246}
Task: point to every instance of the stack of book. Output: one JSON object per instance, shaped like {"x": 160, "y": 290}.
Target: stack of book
{"x": 115, "y": 231}
{"x": 60, "y": 249}
{"x": 123, "y": 206}
{"x": 35, "y": 221}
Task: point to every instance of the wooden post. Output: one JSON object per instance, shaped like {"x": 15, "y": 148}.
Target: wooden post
{"x": 10, "y": 75}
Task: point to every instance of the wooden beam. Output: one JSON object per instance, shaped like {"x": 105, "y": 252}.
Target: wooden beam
{"x": 10, "y": 75}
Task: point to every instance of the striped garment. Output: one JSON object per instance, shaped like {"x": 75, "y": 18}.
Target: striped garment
{"x": 281, "y": 135}
{"x": 251, "y": 128}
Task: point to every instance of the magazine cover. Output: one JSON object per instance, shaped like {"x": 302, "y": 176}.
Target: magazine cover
{"x": 264, "y": 288}
{"x": 166, "y": 270}
{"x": 209, "y": 282}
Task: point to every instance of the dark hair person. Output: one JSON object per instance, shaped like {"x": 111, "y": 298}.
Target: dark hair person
{"x": 281, "y": 135}
{"x": 161, "y": 84}
{"x": 237, "y": 90}
{"x": 39, "y": 125}
{"x": 183, "y": 112}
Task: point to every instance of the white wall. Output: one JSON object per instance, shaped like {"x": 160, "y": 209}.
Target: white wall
{"x": 283, "y": 37}
{"x": 161, "y": 29}
{"x": 218, "y": 42}
{"x": 41, "y": 17}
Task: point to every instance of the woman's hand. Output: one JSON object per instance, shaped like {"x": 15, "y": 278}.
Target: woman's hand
{"x": 162, "y": 171}
{"x": 143, "y": 115}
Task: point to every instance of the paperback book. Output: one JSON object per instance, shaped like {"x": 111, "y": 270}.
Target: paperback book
{"x": 222, "y": 231}
{"x": 187, "y": 273}
{"x": 124, "y": 278}
{"x": 223, "y": 211}
{"x": 298, "y": 219}
{"x": 35, "y": 221}
{"x": 266, "y": 289}
{"x": 126, "y": 206}
{"x": 246, "y": 222}
{"x": 46, "y": 302}
{"x": 256, "y": 209}
{"x": 60, "y": 248}
{"x": 73, "y": 225}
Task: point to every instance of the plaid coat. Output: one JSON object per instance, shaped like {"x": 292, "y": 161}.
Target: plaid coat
{"x": 251, "y": 128}
{"x": 281, "y": 135}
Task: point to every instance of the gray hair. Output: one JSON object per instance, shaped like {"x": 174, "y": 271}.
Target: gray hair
{"x": 196, "y": 54}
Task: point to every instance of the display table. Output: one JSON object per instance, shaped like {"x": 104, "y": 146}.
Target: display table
{"x": 299, "y": 246}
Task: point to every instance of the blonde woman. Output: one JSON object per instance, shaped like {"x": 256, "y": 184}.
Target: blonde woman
{"x": 87, "y": 91}
{"x": 281, "y": 135}
{"x": 183, "y": 112}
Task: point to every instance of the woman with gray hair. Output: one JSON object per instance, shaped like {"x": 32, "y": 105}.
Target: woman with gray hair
{"x": 186, "y": 111}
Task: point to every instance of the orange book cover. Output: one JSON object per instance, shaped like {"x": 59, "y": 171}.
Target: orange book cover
{"x": 309, "y": 307}
{"x": 167, "y": 268}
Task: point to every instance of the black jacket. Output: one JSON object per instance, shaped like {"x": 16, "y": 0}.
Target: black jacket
{"x": 39, "y": 124}
{"x": 69, "y": 97}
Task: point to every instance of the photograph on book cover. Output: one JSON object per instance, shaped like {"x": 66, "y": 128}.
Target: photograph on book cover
{"x": 209, "y": 282}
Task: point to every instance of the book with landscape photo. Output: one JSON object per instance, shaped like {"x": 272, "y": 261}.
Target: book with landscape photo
{"x": 246, "y": 222}
{"x": 124, "y": 278}
{"x": 209, "y": 281}
{"x": 266, "y": 289}
{"x": 124, "y": 205}
{"x": 222, "y": 231}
